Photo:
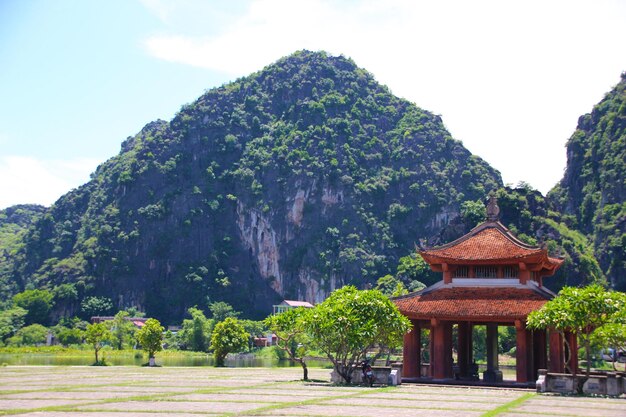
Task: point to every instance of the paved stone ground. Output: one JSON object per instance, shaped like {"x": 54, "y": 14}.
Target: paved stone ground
{"x": 191, "y": 392}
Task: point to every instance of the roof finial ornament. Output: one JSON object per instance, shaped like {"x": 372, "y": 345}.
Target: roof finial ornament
{"x": 493, "y": 211}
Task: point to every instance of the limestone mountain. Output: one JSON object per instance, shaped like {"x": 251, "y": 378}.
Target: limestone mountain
{"x": 290, "y": 182}
{"x": 592, "y": 193}
{"x": 14, "y": 224}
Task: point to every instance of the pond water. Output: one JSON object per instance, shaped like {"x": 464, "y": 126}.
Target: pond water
{"x": 238, "y": 361}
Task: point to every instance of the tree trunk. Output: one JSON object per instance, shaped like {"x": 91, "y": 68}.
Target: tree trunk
{"x": 588, "y": 357}
{"x": 345, "y": 372}
{"x": 305, "y": 370}
{"x": 219, "y": 359}
{"x": 96, "y": 351}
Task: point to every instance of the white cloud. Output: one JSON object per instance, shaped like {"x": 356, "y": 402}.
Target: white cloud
{"x": 27, "y": 180}
{"x": 509, "y": 78}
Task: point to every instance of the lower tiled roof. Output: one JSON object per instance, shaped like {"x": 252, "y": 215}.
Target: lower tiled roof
{"x": 472, "y": 303}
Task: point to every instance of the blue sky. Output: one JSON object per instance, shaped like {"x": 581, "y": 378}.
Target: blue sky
{"x": 509, "y": 78}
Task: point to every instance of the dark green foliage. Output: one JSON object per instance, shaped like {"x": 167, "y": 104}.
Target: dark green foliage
{"x": 97, "y": 334}
{"x": 14, "y": 224}
{"x": 196, "y": 332}
{"x": 96, "y": 306}
{"x": 228, "y": 336}
{"x": 221, "y": 310}
{"x": 37, "y": 304}
{"x": 473, "y": 212}
{"x": 122, "y": 330}
{"x": 592, "y": 193}
{"x": 391, "y": 286}
{"x": 581, "y": 311}
{"x": 32, "y": 335}
{"x": 350, "y": 323}
{"x": 150, "y": 337}
{"x": 67, "y": 336}
{"x": 291, "y": 337}
{"x": 415, "y": 273}
{"x": 11, "y": 321}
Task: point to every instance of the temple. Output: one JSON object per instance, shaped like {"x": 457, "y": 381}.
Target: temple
{"x": 491, "y": 279}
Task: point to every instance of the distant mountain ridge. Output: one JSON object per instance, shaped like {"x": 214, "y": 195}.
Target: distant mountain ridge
{"x": 289, "y": 183}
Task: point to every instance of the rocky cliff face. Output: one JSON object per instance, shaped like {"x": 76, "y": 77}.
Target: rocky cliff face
{"x": 289, "y": 183}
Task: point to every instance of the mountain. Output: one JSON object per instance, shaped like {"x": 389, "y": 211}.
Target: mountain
{"x": 14, "y": 224}
{"x": 288, "y": 183}
{"x": 592, "y": 193}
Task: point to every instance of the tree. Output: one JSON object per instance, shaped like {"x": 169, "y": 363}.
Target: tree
{"x": 415, "y": 273}
{"x": 254, "y": 329}
{"x": 195, "y": 333}
{"x": 67, "y": 336}
{"x": 228, "y": 336}
{"x": 220, "y": 311}
{"x": 351, "y": 322}
{"x": 11, "y": 321}
{"x": 122, "y": 330}
{"x": 96, "y": 335}
{"x": 291, "y": 336}
{"x": 150, "y": 337}
{"x": 37, "y": 303}
{"x": 611, "y": 335}
{"x": 473, "y": 213}
{"x": 32, "y": 335}
{"x": 391, "y": 286}
{"x": 96, "y": 306}
{"x": 580, "y": 311}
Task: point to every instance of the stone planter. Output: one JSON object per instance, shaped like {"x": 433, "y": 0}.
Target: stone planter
{"x": 381, "y": 373}
{"x": 610, "y": 383}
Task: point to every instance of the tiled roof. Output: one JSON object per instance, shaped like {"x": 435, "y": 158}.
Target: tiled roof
{"x": 490, "y": 241}
{"x": 471, "y": 303}
{"x": 294, "y": 303}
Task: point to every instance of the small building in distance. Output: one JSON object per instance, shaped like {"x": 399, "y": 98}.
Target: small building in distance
{"x": 289, "y": 304}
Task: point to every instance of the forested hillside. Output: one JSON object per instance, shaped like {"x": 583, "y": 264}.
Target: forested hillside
{"x": 593, "y": 191}
{"x": 14, "y": 223}
{"x": 288, "y": 183}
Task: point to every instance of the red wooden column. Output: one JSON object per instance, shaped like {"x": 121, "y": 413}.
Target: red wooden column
{"x": 411, "y": 352}
{"x": 523, "y": 352}
{"x": 540, "y": 359}
{"x": 572, "y": 342}
{"x": 556, "y": 352}
{"x": 441, "y": 348}
{"x": 447, "y": 273}
{"x": 465, "y": 347}
{"x": 448, "y": 359}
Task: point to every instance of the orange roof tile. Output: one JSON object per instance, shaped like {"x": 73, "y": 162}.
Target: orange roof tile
{"x": 472, "y": 303}
{"x": 488, "y": 242}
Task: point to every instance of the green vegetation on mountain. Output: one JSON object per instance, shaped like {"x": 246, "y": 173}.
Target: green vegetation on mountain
{"x": 592, "y": 194}
{"x": 298, "y": 179}
{"x": 286, "y": 184}
{"x": 14, "y": 222}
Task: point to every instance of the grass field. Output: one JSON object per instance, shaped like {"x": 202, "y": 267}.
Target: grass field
{"x": 198, "y": 391}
